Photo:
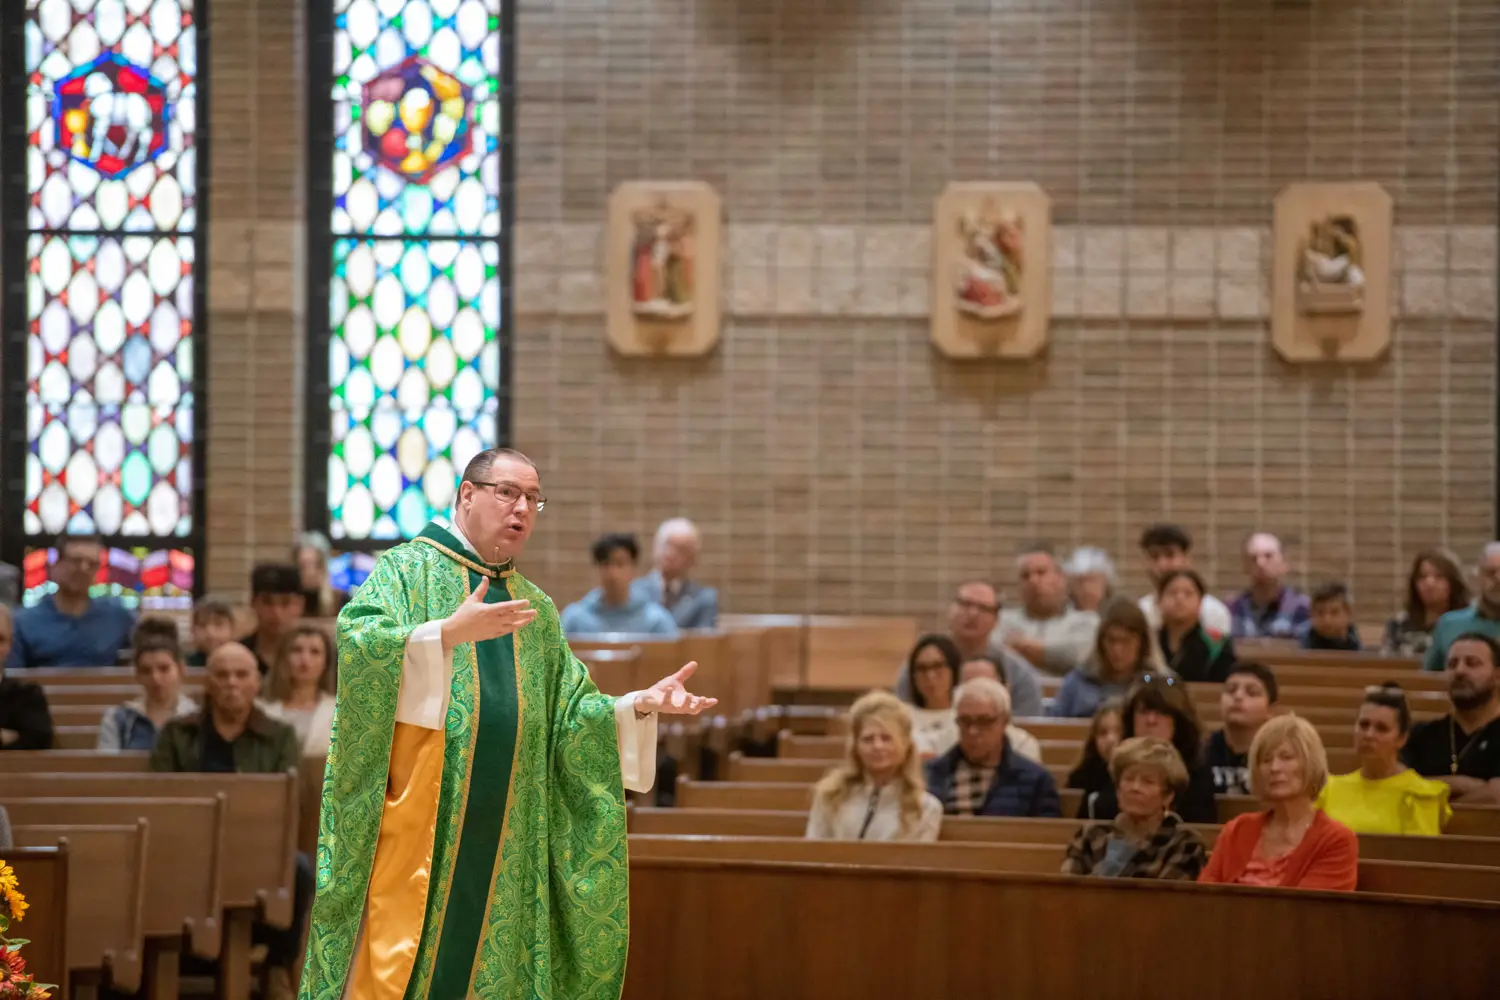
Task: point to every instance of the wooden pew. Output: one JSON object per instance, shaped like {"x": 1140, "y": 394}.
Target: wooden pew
{"x": 75, "y": 737}
{"x": 1206, "y": 699}
{"x": 856, "y": 652}
{"x": 260, "y": 824}
{"x": 86, "y": 761}
{"x": 102, "y": 695}
{"x": 88, "y": 716}
{"x": 808, "y": 933}
{"x": 106, "y": 898}
{"x": 1483, "y": 852}
{"x": 49, "y": 677}
{"x": 782, "y": 646}
{"x": 42, "y": 873}
{"x": 184, "y": 860}
{"x": 1278, "y": 654}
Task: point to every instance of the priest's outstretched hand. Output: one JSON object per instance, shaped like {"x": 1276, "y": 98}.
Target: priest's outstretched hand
{"x": 669, "y": 696}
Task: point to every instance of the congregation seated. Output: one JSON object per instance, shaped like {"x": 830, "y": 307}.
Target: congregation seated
{"x": 1123, "y": 651}
{"x": 1332, "y": 623}
{"x": 229, "y": 733}
{"x": 212, "y": 626}
{"x": 68, "y": 628}
{"x": 1158, "y": 705}
{"x": 1147, "y": 839}
{"x": 1091, "y": 578}
{"x": 1046, "y": 629}
{"x": 973, "y": 615}
{"x": 1292, "y": 843}
{"x": 320, "y": 598}
{"x": 936, "y": 671}
{"x": 1483, "y": 616}
{"x": 1269, "y": 608}
{"x": 1462, "y": 749}
{"x": 1434, "y": 587}
{"x": 1168, "y": 547}
{"x": 1025, "y": 744}
{"x": 983, "y": 775}
{"x": 301, "y": 688}
{"x": 1245, "y": 705}
{"x": 615, "y": 605}
{"x": 1384, "y": 795}
{"x": 1091, "y": 774}
{"x": 276, "y": 598}
{"x": 674, "y": 554}
{"x": 878, "y": 793}
{"x": 25, "y": 721}
{"x": 1190, "y": 649}
{"x": 156, "y": 655}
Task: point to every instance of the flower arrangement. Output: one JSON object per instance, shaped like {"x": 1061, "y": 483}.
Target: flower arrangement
{"x": 15, "y": 982}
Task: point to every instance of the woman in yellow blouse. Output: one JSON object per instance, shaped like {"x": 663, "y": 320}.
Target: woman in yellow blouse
{"x": 1384, "y": 795}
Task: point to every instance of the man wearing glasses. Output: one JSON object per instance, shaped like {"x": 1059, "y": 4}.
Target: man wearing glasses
{"x": 68, "y": 628}
{"x": 473, "y": 824}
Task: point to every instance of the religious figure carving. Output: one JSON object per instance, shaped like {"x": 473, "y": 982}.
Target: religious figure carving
{"x": 662, "y": 256}
{"x": 1330, "y": 267}
{"x": 989, "y": 276}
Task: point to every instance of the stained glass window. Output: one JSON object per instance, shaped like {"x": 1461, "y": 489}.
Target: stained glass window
{"x": 111, "y": 289}
{"x": 414, "y": 219}
{"x": 139, "y": 577}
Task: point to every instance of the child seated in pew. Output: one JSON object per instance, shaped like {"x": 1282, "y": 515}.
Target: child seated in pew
{"x": 213, "y": 626}
{"x": 1091, "y": 776}
{"x": 25, "y": 720}
{"x": 1332, "y": 624}
{"x": 878, "y": 793}
{"x": 1147, "y": 839}
{"x": 303, "y": 680}
{"x": 156, "y": 655}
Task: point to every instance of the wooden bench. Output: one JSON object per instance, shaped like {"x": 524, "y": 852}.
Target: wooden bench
{"x": 105, "y": 695}
{"x": 1483, "y": 852}
{"x": 49, "y": 677}
{"x": 184, "y": 860}
{"x": 106, "y": 898}
{"x": 856, "y": 652}
{"x": 86, "y": 761}
{"x": 43, "y": 876}
{"x": 75, "y": 737}
{"x": 809, "y": 932}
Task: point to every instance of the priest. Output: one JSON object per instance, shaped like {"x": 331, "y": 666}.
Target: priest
{"x": 472, "y": 837}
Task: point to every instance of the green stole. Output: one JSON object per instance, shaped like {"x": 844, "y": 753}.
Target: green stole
{"x": 483, "y": 818}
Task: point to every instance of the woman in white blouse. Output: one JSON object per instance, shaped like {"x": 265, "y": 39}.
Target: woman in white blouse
{"x": 879, "y": 793}
{"x": 302, "y": 683}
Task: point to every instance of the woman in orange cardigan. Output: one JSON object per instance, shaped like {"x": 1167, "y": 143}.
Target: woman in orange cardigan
{"x": 1293, "y": 843}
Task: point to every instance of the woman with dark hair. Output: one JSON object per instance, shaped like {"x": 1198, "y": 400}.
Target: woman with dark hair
{"x": 1192, "y": 650}
{"x": 303, "y": 680}
{"x": 1434, "y": 587}
{"x": 1158, "y": 705}
{"x": 933, "y": 666}
{"x": 1123, "y": 650}
{"x": 1384, "y": 795}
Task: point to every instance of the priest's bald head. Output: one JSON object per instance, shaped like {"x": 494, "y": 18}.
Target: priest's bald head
{"x": 498, "y": 500}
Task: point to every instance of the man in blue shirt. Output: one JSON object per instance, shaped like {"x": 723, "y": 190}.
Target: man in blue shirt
{"x": 1483, "y": 616}
{"x": 68, "y": 628}
{"x": 615, "y": 606}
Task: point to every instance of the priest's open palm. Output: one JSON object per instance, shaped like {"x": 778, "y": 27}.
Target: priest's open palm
{"x": 670, "y": 696}
{"x": 476, "y": 621}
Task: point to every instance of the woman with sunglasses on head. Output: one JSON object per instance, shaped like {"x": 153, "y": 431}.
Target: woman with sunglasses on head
{"x": 1158, "y": 705}
{"x": 1384, "y": 795}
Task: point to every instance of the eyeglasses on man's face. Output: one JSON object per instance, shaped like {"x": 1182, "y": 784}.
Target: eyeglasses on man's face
{"x": 510, "y": 494}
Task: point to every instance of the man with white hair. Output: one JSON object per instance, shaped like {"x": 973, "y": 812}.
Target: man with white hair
{"x": 1483, "y": 616}
{"x": 983, "y": 775}
{"x": 674, "y": 555}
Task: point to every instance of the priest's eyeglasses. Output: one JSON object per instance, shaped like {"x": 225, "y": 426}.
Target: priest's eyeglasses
{"x": 510, "y": 494}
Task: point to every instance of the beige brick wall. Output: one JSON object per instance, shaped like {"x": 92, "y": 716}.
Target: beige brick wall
{"x": 835, "y": 462}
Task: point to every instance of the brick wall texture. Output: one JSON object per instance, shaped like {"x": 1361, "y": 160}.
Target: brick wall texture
{"x": 833, "y": 460}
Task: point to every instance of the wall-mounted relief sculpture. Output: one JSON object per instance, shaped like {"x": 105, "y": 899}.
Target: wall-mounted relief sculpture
{"x": 663, "y": 271}
{"x": 992, "y": 270}
{"x": 1332, "y": 272}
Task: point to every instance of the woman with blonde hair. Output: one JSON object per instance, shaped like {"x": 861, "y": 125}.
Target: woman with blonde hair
{"x": 302, "y": 684}
{"x": 1293, "y": 843}
{"x": 879, "y": 792}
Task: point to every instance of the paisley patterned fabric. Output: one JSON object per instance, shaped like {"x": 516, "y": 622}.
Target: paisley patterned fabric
{"x": 556, "y": 917}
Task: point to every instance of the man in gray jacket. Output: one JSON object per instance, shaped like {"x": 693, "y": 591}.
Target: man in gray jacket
{"x": 972, "y": 615}
{"x": 1046, "y": 629}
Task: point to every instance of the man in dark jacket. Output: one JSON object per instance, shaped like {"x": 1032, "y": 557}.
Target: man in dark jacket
{"x": 25, "y": 721}
{"x": 982, "y": 775}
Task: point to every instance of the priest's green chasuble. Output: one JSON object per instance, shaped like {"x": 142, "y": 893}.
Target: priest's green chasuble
{"x": 483, "y": 853}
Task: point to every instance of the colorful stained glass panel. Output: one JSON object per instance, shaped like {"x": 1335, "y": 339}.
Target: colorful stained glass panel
{"x": 414, "y": 364}
{"x": 109, "y": 385}
{"x": 139, "y": 577}
{"x": 111, "y": 114}
{"x": 416, "y": 117}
